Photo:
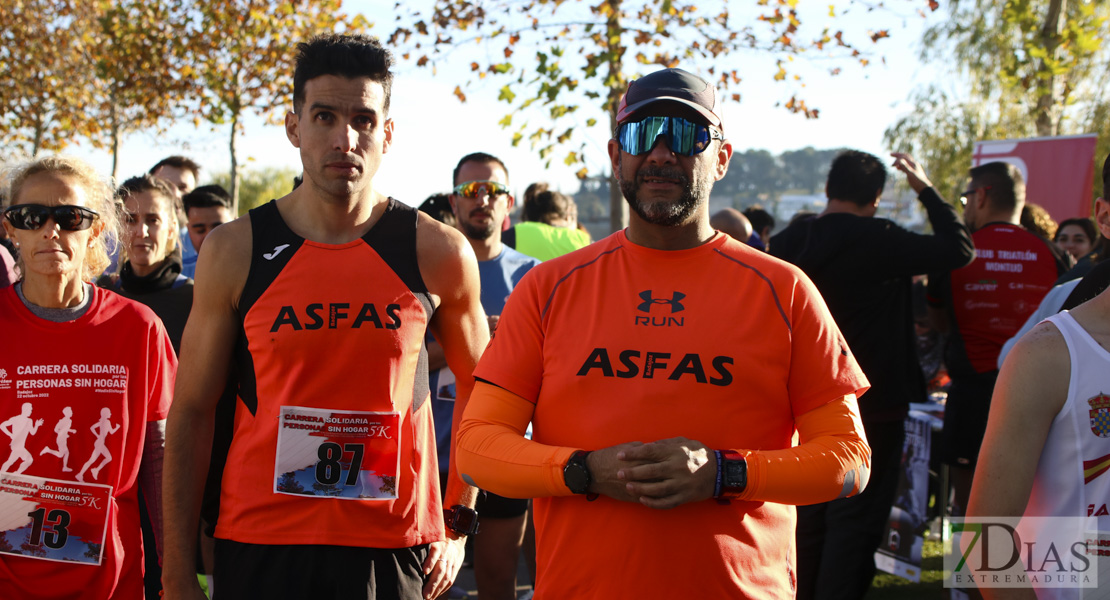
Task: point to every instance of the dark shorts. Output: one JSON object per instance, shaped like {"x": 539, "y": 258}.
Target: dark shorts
{"x": 499, "y": 507}
{"x": 965, "y": 418}
{"x": 318, "y": 572}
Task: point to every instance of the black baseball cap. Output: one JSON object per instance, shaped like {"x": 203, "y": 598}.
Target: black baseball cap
{"x": 673, "y": 85}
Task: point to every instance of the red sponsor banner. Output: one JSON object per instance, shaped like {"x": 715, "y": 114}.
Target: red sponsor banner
{"x": 1058, "y": 171}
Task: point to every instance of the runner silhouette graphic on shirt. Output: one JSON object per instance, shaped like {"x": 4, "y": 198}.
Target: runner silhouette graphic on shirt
{"x": 101, "y": 429}
{"x": 18, "y": 428}
{"x": 62, "y": 429}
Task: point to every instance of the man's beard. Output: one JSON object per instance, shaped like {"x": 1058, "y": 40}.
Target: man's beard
{"x": 479, "y": 232}
{"x": 665, "y": 212}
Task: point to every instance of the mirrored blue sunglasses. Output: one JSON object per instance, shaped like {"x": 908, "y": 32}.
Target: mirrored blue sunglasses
{"x": 683, "y": 137}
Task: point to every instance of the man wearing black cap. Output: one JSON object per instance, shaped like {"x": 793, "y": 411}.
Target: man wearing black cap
{"x": 632, "y": 359}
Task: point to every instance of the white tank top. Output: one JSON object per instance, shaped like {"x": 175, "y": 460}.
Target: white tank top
{"x": 1073, "y": 474}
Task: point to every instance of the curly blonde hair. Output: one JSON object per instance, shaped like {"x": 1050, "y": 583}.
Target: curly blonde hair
{"x": 102, "y": 199}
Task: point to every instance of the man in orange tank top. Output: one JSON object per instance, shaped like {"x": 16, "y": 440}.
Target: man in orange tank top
{"x": 661, "y": 460}
{"x": 316, "y": 305}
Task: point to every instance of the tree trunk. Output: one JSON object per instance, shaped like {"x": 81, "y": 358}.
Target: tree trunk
{"x": 115, "y": 140}
{"x": 40, "y": 132}
{"x": 234, "y": 166}
{"x": 618, "y": 210}
{"x": 1048, "y": 100}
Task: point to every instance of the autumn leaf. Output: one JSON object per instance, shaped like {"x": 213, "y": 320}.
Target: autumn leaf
{"x": 459, "y": 94}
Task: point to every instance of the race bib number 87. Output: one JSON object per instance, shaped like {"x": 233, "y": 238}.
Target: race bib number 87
{"x": 337, "y": 454}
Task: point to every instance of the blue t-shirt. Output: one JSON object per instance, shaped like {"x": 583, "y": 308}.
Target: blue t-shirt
{"x": 188, "y": 254}
{"x": 499, "y": 276}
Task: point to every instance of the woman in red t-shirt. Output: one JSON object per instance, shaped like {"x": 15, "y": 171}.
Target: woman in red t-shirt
{"x": 81, "y": 369}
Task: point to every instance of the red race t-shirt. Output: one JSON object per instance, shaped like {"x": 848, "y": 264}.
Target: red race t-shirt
{"x": 75, "y": 399}
{"x": 991, "y": 297}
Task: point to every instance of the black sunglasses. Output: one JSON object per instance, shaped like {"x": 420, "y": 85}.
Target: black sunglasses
{"x": 34, "y": 216}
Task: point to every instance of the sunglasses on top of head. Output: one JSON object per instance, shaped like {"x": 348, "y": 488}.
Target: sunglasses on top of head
{"x": 474, "y": 189}
{"x": 683, "y": 137}
{"x": 33, "y": 216}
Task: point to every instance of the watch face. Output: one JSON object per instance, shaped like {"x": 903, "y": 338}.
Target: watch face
{"x": 736, "y": 474}
{"x": 461, "y": 520}
{"x": 576, "y": 474}
{"x": 465, "y": 520}
{"x": 576, "y": 479}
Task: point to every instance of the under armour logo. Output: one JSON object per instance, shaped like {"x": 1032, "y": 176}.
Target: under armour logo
{"x": 675, "y": 303}
{"x": 277, "y": 250}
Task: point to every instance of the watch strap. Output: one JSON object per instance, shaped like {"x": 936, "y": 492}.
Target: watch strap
{"x": 720, "y": 474}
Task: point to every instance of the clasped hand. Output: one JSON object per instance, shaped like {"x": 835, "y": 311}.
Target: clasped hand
{"x": 662, "y": 474}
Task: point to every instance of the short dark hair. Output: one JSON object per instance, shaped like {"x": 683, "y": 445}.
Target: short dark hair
{"x": 438, "y": 206}
{"x": 1084, "y": 223}
{"x": 478, "y": 157}
{"x": 546, "y": 206}
{"x": 206, "y": 196}
{"x": 178, "y": 162}
{"x": 1006, "y": 185}
{"x": 345, "y": 55}
{"x": 856, "y": 177}
{"x": 149, "y": 183}
{"x": 760, "y": 218}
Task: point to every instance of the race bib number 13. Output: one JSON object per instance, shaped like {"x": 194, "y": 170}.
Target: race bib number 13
{"x": 337, "y": 454}
{"x": 51, "y": 519}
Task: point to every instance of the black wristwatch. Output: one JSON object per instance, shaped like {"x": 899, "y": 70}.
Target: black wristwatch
{"x": 576, "y": 474}
{"x": 734, "y": 474}
{"x": 461, "y": 520}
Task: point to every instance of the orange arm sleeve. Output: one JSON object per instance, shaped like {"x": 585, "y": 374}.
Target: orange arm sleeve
{"x": 832, "y": 461}
{"x": 493, "y": 453}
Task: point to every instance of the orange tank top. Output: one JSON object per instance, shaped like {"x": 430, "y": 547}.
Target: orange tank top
{"x": 332, "y": 440}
